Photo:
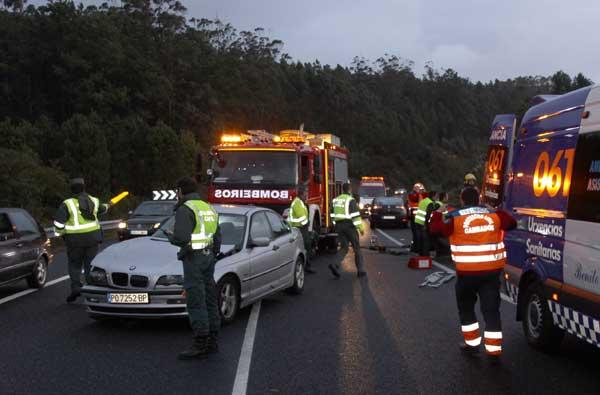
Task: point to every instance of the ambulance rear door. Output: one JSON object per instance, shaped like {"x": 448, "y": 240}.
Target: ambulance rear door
{"x": 497, "y": 167}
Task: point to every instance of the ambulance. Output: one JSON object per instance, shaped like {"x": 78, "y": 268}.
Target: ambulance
{"x": 546, "y": 173}
{"x": 369, "y": 189}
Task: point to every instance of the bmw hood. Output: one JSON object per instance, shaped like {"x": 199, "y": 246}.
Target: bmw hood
{"x": 147, "y": 254}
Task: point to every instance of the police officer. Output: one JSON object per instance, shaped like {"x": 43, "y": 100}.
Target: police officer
{"x": 196, "y": 232}
{"x": 412, "y": 204}
{"x": 476, "y": 240}
{"x": 298, "y": 218}
{"x": 77, "y": 221}
{"x": 426, "y": 207}
{"x": 346, "y": 218}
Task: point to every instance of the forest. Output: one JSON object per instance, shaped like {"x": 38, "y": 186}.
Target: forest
{"x": 127, "y": 96}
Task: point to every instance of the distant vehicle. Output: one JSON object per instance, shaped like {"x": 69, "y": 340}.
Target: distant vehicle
{"x": 370, "y": 188}
{"x": 388, "y": 211}
{"x": 23, "y": 253}
{"x": 146, "y": 218}
{"x": 547, "y": 173}
{"x": 142, "y": 278}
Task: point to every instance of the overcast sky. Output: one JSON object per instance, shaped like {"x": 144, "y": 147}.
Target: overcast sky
{"x": 481, "y": 39}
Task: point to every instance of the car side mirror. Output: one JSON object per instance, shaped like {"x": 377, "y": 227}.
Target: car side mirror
{"x": 260, "y": 242}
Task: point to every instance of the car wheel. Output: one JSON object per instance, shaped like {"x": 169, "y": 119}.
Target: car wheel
{"x": 298, "y": 286}
{"x": 539, "y": 328}
{"x": 229, "y": 299}
{"x": 39, "y": 274}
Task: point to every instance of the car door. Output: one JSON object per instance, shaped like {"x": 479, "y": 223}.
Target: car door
{"x": 9, "y": 253}
{"x": 28, "y": 237}
{"x": 263, "y": 260}
{"x": 286, "y": 246}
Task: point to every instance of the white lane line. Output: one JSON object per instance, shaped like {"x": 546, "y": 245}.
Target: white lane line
{"x": 503, "y": 296}
{"x": 390, "y": 237}
{"x": 240, "y": 385}
{"x": 32, "y": 290}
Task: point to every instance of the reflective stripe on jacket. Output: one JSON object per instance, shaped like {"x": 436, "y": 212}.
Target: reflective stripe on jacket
{"x": 477, "y": 240}
{"x": 298, "y": 215}
{"x": 77, "y": 224}
{"x": 421, "y": 214}
{"x": 207, "y": 221}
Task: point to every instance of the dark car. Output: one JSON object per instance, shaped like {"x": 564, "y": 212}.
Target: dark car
{"x": 23, "y": 252}
{"x": 146, "y": 218}
{"x": 388, "y": 211}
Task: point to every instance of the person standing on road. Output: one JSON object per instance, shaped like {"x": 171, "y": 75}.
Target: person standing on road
{"x": 76, "y": 220}
{"x": 412, "y": 204}
{"x": 476, "y": 240}
{"x": 426, "y": 207}
{"x": 346, "y": 218}
{"x": 298, "y": 218}
{"x": 196, "y": 232}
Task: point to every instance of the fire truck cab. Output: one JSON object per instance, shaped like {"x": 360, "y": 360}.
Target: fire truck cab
{"x": 264, "y": 169}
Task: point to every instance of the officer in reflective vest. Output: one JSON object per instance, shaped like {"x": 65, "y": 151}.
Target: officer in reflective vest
{"x": 298, "y": 217}
{"x": 412, "y": 204}
{"x": 76, "y": 220}
{"x": 196, "y": 232}
{"x": 476, "y": 241}
{"x": 346, "y": 218}
{"x": 426, "y": 207}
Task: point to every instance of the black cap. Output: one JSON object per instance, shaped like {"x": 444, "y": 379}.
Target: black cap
{"x": 470, "y": 196}
{"x": 187, "y": 185}
{"x": 77, "y": 181}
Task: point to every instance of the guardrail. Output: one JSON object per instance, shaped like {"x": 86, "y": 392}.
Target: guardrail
{"x": 106, "y": 225}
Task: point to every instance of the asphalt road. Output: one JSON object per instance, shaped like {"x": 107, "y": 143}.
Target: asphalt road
{"x": 380, "y": 335}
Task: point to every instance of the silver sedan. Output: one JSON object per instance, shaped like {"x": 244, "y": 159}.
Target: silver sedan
{"x": 142, "y": 278}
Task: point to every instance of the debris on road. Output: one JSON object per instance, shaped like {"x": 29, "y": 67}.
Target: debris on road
{"x": 436, "y": 279}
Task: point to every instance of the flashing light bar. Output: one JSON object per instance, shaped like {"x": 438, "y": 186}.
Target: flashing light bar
{"x": 372, "y": 178}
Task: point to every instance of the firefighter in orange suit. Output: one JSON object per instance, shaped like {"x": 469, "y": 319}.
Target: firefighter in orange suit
{"x": 476, "y": 236}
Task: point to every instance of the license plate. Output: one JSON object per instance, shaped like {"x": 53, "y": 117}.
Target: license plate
{"x": 139, "y": 232}
{"x": 122, "y": 298}
{"x": 389, "y": 217}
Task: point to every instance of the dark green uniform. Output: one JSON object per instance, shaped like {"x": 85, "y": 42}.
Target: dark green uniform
{"x": 198, "y": 255}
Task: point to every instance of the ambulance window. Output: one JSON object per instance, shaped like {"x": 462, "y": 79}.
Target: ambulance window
{"x": 584, "y": 197}
{"x": 304, "y": 168}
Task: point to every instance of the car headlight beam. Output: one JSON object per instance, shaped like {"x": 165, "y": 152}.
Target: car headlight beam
{"x": 122, "y": 225}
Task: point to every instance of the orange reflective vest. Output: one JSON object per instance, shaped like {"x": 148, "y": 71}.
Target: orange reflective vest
{"x": 477, "y": 240}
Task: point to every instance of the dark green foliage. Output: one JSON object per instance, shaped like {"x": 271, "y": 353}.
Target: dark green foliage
{"x": 126, "y": 96}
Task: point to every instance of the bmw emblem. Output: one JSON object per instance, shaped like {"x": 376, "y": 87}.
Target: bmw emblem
{"x": 132, "y": 267}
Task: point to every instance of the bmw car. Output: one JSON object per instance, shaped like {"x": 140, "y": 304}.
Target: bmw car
{"x": 142, "y": 278}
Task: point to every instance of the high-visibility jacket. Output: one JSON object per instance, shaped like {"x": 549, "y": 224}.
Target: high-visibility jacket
{"x": 76, "y": 223}
{"x": 476, "y": 242}
{"x": 342, "y": 212}
{"x": 298, "y": 215}
{"x": 207, "y": 221}
{"x": 421, "y": 214}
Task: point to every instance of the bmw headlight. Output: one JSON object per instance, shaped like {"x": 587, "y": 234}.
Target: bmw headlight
{"x": 171, "y": 279}
{"x": 98, "y": 276}
{"x": 156, "y": 225}
{"x": 122, "y": 225}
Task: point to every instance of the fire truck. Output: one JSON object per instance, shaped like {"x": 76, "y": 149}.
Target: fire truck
{"x": 265, "y": 169}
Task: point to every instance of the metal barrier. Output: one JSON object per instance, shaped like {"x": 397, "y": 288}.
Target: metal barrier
{"x": 106, "y": 225}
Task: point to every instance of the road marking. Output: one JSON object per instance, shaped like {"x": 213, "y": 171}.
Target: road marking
{"x": 32, "y": 290}
{"x": 240, "y": 385}
{"x": 503, "y": 296}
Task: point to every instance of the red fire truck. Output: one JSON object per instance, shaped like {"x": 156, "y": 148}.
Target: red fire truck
{"x": 264, "y": 169}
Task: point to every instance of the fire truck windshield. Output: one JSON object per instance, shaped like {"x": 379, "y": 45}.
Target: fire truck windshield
{"x": 255, "y": 167}
{"x": 371, "y": 191}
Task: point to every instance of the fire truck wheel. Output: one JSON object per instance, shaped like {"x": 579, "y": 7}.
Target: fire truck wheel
{"x": 540, "y": 331}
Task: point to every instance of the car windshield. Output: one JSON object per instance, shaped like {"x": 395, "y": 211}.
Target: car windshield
{"x": 390, "y": 201}
{"x": 154, "y": 209}
{"x": 255, "y": 167}
{"x": 232, "y": 227}
{"x": 371, "y": 191}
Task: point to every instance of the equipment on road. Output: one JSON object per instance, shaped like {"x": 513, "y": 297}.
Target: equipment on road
{"x": 264, "y": 169}
{"x": 436, "y": 279}
{"x": 547, "y": 173}
{"x": 420, "y": 262}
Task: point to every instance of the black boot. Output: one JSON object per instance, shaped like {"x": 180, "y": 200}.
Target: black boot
{"x": 72, "y": 296}
{"x": 198, "y": 350}
{"x": 213, "y": 345}
{"x": 469, "y": 350}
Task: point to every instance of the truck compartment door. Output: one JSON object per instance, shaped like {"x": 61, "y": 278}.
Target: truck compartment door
{"x": 499, "y": 157}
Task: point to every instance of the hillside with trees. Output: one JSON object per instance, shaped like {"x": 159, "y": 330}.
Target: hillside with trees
{"x": 127, "y": 96}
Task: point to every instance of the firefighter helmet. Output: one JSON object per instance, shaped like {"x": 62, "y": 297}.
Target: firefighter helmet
{"x": 418, "y": 187}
